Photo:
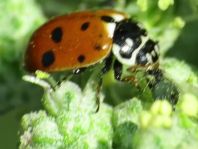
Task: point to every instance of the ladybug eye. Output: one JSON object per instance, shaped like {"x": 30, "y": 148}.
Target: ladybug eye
{"x": 141, "y": 58}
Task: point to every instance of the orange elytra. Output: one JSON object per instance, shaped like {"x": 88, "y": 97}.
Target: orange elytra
{"x": 72, "y": 41}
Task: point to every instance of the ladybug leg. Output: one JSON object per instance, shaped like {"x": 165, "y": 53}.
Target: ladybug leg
{"x": 98, "y": 90}
{"x": 158, "y": 76}
{"x": 107, "y": 63}
{"x": 133, "y": 69}
{"x": 131, "y": 79}
{"x": 107, "y": 66}
{"x": 117, "y": 67}
{"x": 153, "y": 66}
{"x": 63, "y": 78}
{"x": 118, "y": 74}
{"x": 149, "y": 69}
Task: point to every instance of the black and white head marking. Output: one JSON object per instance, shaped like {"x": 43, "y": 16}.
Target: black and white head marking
{"x": 131, "y": 45}
{"x": 148, "y": 54}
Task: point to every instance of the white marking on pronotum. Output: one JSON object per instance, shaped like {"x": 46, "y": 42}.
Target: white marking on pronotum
{"x": 118, "y": 17}
{"x": 131, "y": 61}
{"x": 127, "y": 46}
{"x": 116, "y": 48}
{"x": 129, "y": 42}
{"x": 110, "y": 28}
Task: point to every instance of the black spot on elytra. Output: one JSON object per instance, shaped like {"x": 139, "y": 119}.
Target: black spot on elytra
{"x": 100, "y": 35}
{"x": 85, "y": 26}
{"x": 48, "y": 58}
{"x": 81, "y": 58}
{"x": 107, "y": 19}
{"x": 56, "y": 34}
{"x": 98, "y": 47}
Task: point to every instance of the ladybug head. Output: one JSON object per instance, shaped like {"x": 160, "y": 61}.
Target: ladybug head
{"x": 132, "y": 46}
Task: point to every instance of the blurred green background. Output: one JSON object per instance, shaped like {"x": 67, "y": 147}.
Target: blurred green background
{"x": 19, "y": 18}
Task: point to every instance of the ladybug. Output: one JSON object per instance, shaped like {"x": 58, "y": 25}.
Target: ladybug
{"x": 82, "y": 39}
